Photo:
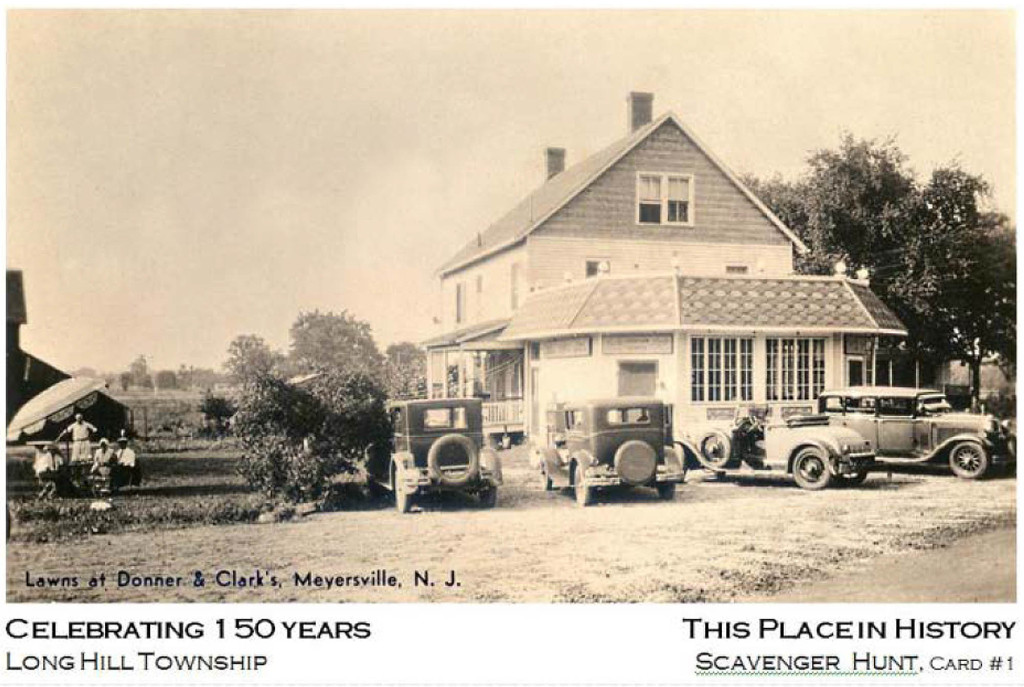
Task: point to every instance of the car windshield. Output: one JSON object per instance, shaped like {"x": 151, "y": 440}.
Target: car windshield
{"x": 445, "y": 418}
{"x": 933, "y": 405}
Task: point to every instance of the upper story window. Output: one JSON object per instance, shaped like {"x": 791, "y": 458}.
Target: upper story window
{"x": 596, "y": 267}
{"x": 664, "y": 198}
{"x": 460, "y": 303}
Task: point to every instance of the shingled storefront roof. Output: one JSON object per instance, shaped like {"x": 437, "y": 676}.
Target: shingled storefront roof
{"x": 667, "y": 303}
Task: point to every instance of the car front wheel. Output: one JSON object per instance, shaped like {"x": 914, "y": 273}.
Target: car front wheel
{"x": 968, "y": 460}
{"x": 854, "y": 480}
{"x": 810, "y": 469}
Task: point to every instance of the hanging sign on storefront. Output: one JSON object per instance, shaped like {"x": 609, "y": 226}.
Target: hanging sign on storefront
{"x": 578, "y": 347}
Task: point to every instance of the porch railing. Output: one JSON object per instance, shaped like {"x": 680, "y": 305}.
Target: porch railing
{"x": 508, "y": 412}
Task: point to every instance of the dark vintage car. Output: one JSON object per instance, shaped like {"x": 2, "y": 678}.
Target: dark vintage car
{"x": 437, "y": 445}
{"x": 907, "y": 425}
{"x": 606, "y": 443}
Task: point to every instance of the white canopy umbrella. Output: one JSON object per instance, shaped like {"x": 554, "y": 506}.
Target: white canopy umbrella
{"x": 55, "y": 405}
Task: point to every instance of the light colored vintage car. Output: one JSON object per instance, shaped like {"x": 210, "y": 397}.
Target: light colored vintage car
{"x": 438, "y": 445}
{"x": 806, "y": 447}
{"x": 610, "y": 442}
{"x": 907, "y": 425}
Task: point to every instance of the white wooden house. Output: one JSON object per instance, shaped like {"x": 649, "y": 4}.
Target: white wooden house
{"x": 647, "y": 268}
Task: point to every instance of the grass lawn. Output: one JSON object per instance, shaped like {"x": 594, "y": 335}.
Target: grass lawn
{"x": 179, "y": 489}
{"x": 747, "y": 536}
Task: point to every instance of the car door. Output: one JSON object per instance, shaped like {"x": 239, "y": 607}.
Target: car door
{"x": 895, "y": 425}
{"x": 860, "y": 417}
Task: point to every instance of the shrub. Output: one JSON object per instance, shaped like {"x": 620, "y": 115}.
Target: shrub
{"x": 217, "y": 410}
{"x": 295, "y": 439}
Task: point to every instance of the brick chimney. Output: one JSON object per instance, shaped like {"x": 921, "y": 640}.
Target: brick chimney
{"x": 641, "y": 106}
{"x": 556, "y": 161}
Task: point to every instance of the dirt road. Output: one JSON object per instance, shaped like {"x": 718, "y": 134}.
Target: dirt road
{"x": 976, "y": 569}
{"x": 718, "y": 541}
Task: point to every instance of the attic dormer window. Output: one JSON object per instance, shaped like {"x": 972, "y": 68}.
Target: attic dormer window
{"x": 664, "y": 199}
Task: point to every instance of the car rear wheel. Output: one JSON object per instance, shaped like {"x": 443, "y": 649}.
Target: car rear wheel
{"x": 403, "y": 499}
{"x": 666, "y": 491}
{"x": 584, "y": 492}
{"x": 488, "y": 498}
{"x": 968, "y": 460}
{"x": 810, "y": 469}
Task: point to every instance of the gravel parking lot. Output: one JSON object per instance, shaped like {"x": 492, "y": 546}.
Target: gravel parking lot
{"x": 743, "y": 538}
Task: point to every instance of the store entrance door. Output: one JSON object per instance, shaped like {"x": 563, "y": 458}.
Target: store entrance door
{"x": 638, "y": 378}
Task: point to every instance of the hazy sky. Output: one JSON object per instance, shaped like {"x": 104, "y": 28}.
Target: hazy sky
{"x": 176, "y": 179}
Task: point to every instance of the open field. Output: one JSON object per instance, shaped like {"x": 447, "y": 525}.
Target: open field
{"x": 742, "y": 538}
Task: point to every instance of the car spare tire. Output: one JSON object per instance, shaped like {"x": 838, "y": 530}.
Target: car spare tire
{"x": 636, "y": 462}
{"x": 454, "y": 460}
{"x": 714, "y": 450}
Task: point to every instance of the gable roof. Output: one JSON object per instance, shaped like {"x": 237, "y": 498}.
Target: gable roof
{"x": 557, "y": 191}
{"x": 670, "y": 303}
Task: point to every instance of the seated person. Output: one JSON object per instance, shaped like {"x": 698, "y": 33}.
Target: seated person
{"x": 47, "y": 465}
{"x": 101, "y": 475}
{"x": 128, "y": 469}
{"x": 105, "y": 457}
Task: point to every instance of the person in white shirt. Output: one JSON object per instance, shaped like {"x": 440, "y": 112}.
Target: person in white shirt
{"x": 104, "y": 458}
{"x": 47, "y": 466}
{"x": 80, "y": 432}
{"x": 128, "y": 464}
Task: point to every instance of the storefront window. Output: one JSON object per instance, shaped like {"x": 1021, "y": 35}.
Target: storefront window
{"x": 714, "y": 369}
{"x": 796, "y": 369}
{"x": 721, "y": 369}
{"x": 747, "y": 369}
{"x": 697, "y": 369}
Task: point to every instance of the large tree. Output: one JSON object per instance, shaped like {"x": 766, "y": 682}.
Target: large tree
{"x": 405, "y": 372}
{"x": 943, "y": 264}
{"x": 334, "y": 342}
{"x": 249, "y": 357}
{"x": 955, "y": 285}
{"x": 139, "y": 371}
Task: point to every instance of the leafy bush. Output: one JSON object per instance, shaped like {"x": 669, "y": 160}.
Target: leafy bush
{"x": 295, "y": 439}
{"x": 217, "y": 410}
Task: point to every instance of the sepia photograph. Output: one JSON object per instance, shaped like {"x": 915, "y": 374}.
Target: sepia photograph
{"x": 476, "y": 306}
